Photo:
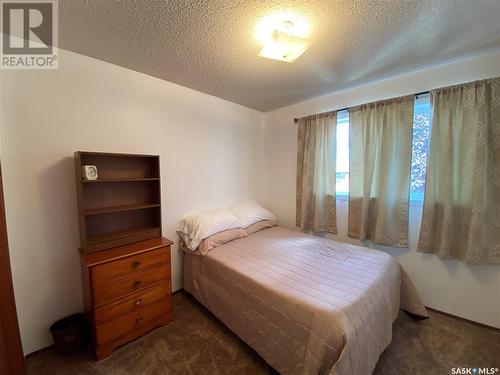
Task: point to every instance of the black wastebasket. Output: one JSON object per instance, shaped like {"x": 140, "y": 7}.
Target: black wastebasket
{"x": 70, "y": 334}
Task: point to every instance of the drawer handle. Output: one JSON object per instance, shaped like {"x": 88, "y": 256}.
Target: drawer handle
{"x": 136, "y": 264}
{"x": 138, "y": 302}
{"x": 137, "y": 283}
{"x": 139, "y": 319}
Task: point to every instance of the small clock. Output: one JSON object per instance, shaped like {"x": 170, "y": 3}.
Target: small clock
{"x": 89, "y": 172}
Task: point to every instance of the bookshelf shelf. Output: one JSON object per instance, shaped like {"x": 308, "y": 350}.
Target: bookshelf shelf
{"x": 122, "y": 208}
{"x": 123, "y": 205}
{"x": 120, "y": 180}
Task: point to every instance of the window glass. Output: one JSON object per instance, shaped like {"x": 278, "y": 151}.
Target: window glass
{"x": 420, "y": 146}
{"x": 342, "y": 153}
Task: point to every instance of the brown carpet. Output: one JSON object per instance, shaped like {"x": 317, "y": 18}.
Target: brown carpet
{"x": 197, "y": 343}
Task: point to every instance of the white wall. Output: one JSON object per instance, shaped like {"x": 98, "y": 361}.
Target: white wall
{"x": 210, "y": 157}
{"x": 213, "y": 153}
{"x": 472, "y": 292}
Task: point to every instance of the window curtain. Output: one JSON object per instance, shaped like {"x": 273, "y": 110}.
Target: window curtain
{"x": 461, "y": 217}
{"x": 316, "y": 164}
{"x": 379, "y": 171}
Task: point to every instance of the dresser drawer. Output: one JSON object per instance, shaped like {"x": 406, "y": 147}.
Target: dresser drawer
{"x": 120, "y": 326}
{"x": 131, "y": 303}
{"x": 112, "y": 270}
{"x": 111, "y": 290}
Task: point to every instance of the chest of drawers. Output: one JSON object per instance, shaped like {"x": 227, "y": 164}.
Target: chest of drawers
{"x": 127, "y": 292}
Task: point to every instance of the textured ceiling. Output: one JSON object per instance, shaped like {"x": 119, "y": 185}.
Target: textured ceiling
{"x": 210, "y": 46}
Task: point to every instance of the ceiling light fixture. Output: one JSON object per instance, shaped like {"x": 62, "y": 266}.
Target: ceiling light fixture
{"x": 283, "y": 36}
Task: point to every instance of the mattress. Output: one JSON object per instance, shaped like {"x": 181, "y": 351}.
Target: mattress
{"x": 307, "y": 305}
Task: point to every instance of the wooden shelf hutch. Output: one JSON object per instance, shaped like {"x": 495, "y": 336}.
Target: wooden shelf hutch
{"x": 125, "y": 261}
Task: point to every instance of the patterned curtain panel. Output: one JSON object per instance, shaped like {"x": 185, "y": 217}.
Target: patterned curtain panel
{"x": 379, "y": 171}
{"x": 461, "y": 217}
{"x": 316, "y": 164}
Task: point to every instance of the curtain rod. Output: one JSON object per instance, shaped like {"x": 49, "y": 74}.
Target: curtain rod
{"x": 295, "y": 120}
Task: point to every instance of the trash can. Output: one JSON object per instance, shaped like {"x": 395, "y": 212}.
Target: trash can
{"x": 70, "y": 334}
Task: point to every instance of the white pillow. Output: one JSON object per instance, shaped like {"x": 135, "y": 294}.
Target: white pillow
{"x": 251, "y": 212}
{"x": 194, "y": 228}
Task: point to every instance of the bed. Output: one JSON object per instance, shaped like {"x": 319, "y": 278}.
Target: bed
{"x": 306, "y": 304}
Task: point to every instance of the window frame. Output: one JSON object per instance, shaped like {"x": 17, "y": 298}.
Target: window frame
{"x": 342, "y": 120}
{"x": 422, "y": 101}
{"x": 416, "y": 198}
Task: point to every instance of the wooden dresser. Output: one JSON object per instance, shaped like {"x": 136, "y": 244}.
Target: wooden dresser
{"x": 127, "y": 292}
{"x": 125, "y": 260}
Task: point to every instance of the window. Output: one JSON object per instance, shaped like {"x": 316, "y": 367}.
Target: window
{"x": 420, "y": 146}
{"x": 342, "y": 175}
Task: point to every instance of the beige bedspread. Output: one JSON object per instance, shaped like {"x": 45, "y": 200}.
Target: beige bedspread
{"x": 307, "y": 305}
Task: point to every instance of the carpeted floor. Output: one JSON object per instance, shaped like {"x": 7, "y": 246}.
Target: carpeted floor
{"x": 197, "y": 343}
